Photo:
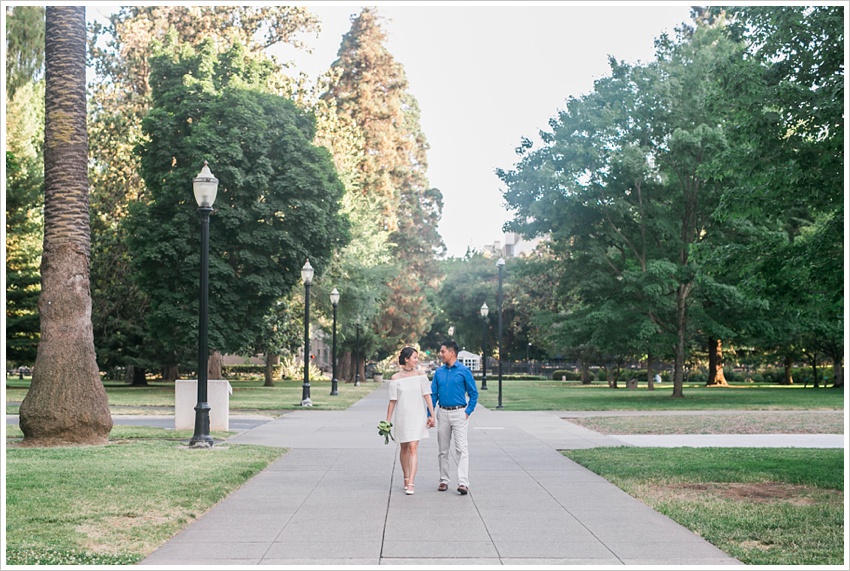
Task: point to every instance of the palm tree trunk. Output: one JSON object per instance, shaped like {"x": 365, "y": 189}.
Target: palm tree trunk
{"x": 66, "y": 403}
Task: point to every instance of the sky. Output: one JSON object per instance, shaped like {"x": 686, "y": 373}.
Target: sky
{"x": 487, "y": 74}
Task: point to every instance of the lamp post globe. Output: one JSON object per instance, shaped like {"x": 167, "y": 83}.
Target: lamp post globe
{"x": 485, "y": 311}
{"x": 307, "y": 278}
{"x": 205, "y": 187}
{"x": 500, "y": 264}
{"x": 334, "y": 382}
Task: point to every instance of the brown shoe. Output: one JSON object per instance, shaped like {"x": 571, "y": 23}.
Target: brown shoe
{"x": 442, "y": 487}
{"x": 462, "y": 490}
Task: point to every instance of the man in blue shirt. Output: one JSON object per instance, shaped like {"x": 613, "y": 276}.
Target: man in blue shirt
{"x": 450, "y": 386}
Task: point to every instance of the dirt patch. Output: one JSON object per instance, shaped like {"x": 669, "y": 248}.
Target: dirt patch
{"x": 124, "y": 534}
{"x": 750, "y": 423}
{"x": 757, "y": 492}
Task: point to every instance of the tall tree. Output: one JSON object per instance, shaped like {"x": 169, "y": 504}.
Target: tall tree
{"x": 120, "y": 52}
{"x": 278, "y": 202}
{"x": 24, "y": 46}
{"x": 787, "y": 103}
{"x": 624, "y": 187}
{"x": 24, "y": 190}
{"x": 370, "y": 90}
{"x": 24, "y": 223}
{"x": 66, "y": 403}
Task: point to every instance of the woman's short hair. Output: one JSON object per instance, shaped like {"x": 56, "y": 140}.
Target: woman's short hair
{"x": 405, "y": 355}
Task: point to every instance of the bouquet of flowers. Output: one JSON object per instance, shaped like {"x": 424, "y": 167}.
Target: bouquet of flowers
{"x": 385, "y": 430}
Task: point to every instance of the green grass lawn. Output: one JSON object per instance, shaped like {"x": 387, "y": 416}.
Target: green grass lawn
{"x": 560, "y": 395}
{"x": 249, "y": 396}
{"x": 115, "y": 504}
{"x": 763, "y": 506}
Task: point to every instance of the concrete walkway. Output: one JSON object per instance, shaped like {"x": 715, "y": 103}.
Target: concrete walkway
{"x": 336, "y": 498}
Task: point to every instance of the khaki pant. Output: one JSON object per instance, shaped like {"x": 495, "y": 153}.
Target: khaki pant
{"x": 453, "y": 424}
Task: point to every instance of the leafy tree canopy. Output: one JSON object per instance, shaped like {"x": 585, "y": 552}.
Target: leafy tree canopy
{"x": 278, "y": 202}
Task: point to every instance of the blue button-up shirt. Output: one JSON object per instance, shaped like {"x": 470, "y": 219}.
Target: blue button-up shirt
{"x": 451, "y": 385}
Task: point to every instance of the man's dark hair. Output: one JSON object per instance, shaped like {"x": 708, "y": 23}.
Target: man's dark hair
{"x": 450, "y": 344}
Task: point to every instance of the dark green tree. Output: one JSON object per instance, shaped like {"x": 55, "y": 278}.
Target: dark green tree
{"x": 23, "y": 256}
{"x": 120, "y": 98}
{"x": 786, "y": 100}
{"x": 278, "y": 202}
{"x": 623, "y": 186}
{"x": 24, "y": 184}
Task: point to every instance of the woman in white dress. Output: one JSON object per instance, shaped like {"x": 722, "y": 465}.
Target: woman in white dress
{"x": 410, "y": 397}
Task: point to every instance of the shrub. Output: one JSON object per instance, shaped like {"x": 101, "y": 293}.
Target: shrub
{"x": 249, "y": 369}
{"x": 570, "y": 375}
{"x": 698, "y": 378}
{"x": 293, "y": 369}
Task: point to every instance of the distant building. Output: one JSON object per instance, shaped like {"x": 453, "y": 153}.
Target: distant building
{"x": 471, "y": 360}
{"x": 515, "y": 246}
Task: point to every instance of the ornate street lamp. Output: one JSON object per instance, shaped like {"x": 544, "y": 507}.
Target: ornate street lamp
{"x": 451, "y": 331}
{"x": 205, "y": 187}
{"x": 484, "y": 312}
{"x": 500, "y": 264}
{"x": 334, "y": 303}
{"x": 307, "y": 278}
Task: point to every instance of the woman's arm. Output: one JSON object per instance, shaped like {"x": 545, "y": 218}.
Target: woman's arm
{"x": 431, "y": 418}
{"x": 390, "y": 409}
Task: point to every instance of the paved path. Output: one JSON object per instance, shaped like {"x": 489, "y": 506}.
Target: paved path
{"x": 336, "y": 498}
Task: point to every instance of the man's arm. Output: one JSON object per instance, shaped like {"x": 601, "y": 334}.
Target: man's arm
{"x": 434, "y": 395}
{"x": 471, "y": 390}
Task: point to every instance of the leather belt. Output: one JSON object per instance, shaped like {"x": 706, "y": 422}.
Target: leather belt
{"x": 453, "y": 407}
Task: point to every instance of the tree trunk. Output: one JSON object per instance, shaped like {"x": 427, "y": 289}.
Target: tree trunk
{"x": 66, "y": 403}
{"x": 269, "y": 373}
{"x": 815, "y": 380}
{"x": 346, "y": 367}
{"x": 171, "y": 373}
{"x": 788, "y": 380}
{"x": 214, "y": 366}
{"x": 650, "y": 378}
{"x": 136, "y": 376}
{"x": 837, "y": 373}
{"x": 585, "y": 372}
{"x": 715, "y": 363}
{"x": 681, "y": 326}
{"x": 343, "y": 366}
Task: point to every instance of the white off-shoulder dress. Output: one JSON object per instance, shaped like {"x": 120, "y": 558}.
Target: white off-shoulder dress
{"x": 411, "y": 414}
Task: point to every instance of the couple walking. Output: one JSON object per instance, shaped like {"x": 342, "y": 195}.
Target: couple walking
{"x": 453, "y": 390}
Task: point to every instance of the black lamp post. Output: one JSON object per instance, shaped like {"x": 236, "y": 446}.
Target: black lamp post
{"x": 484, "y": 312}
{"x": 205, "y": 187}
{"x": 527, "y": 362}
{"x": 334, "y": 303}
{"x": 500, "y": 264}
{"x": 307, "y": 278}
{"x": 357, "y": 355}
